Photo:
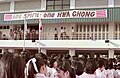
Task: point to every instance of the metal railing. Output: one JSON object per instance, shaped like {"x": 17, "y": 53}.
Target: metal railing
{"x": 50, "y": 36}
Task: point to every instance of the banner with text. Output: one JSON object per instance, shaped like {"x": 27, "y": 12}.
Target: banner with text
{"x": 60, "y": 14}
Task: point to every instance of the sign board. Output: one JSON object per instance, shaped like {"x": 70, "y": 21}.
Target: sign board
{"x": 57, "y": 15}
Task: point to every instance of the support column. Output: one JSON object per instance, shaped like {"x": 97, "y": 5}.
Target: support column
{"x": 43, "y": 4}
{"x": 111, "y": 53}
{"x": 72, "y": 4}
{"x": 12, "y": 6}
{"x": 71, "y": 52}
{"x": 44, "y": 51}
{"x": 5, "y": 50}
{"x": 111, "y": 30}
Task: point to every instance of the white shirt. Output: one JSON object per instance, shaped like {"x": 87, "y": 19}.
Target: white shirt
{"x": 40, "y": 75}
{"x": 62, "y": 30}
{"x": 54, "y": 73}
{"x": 72, "y": 30}
{"x": 49, "y": 71}
{"x": 101, "y": 74}
{"x": 118, "y": 71}
{"x": 37, "y": 32}
{"x": 110, "y": 73}
{"x": 85, "y": 75}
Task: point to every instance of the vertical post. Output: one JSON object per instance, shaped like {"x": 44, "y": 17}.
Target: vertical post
{"x": 110, "y": 53}
{"x": 39, "y": 49}
{"x": 40, "y": 30}
{"x": 25, "y": 28}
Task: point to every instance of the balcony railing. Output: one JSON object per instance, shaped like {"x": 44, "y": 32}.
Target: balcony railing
{"x": 50, "y": 36}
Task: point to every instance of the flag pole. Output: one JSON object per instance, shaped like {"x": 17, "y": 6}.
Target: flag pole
{"x": 25, "y": 26}
{"x": 40, "y": 30}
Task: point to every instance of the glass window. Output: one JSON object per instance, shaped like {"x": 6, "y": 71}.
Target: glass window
{"x": 66, "y": 7}
{"x": 58, "y": 4}
{"x": 50, "y": 8}
{"x": 66, "y": 1}
{"x": 50, "y": 2}
{"x": 58, "y": 7}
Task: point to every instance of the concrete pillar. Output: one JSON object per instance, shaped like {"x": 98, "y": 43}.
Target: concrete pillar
{"x": 71, "y": 52}
{"x": 111, "y": 53}
{"x": 5, "y": 50}
{"x": 43, "y": 4}
{"x": 111, "y": 29}
{"x": 44, "y": 51}
{"x": 12, "y": 6}
{"x": 111, "y": 3}
{"x": 72, "y": 4}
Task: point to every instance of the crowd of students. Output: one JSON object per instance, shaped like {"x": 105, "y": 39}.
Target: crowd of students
{"x": 25, "y": 65}
{"x": 18, "y": 34}
{"x": 33, "y": 34}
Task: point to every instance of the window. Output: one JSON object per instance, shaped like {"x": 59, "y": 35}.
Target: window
{"x": 58, "y": 4}
{"x": 93, "y": 31}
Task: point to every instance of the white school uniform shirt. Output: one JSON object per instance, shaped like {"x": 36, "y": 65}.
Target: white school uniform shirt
{"x": 54, "y": 73}
{"x": 85, "y": 75}
{"x": 49, "y": 71}
{"x": 77, "y": 76}
{"x": 72, "y": 30}
{"x": 62, "y": 31}
{"x": 40, "y": 75}
{"x": 118, "y": 71}
{"x": 110, "y": 73}
{"x": 101, "y": 74}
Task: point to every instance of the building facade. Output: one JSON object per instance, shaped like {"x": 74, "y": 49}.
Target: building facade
{"x": 78, "y": 35}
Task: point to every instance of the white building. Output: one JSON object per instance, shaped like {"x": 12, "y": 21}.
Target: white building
{"x": 96, "y": 33}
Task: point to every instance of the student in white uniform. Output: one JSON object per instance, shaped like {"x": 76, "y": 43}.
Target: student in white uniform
{"x": 65, "y": 70}
{"x": 90, "y": 69}
{"x": 118, "y": 69}
{"x": 53, "y": 66}
{"x": 36, "y": 68}
{"x": 101, "y": 71}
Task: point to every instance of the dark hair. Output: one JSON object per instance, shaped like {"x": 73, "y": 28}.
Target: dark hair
{"x": 25, "y": 55}
{"x": 61, "y": 27}
{"x": 13, "y": 65}
{"x": 67, "y": 56}
{"x": 52, "y": 62}
{"x": 110, "y": 64}
{"x": 43, "y": 56}
{"x": 31, "y": 71}
{"x": 65, "y": 66}
{"x": 91, "y": 66}
{"x": 101, "y": 63}
{"x": 79, "y": 69}
{"x": 55, "y": 28}
{"x": 3, "y": 74}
